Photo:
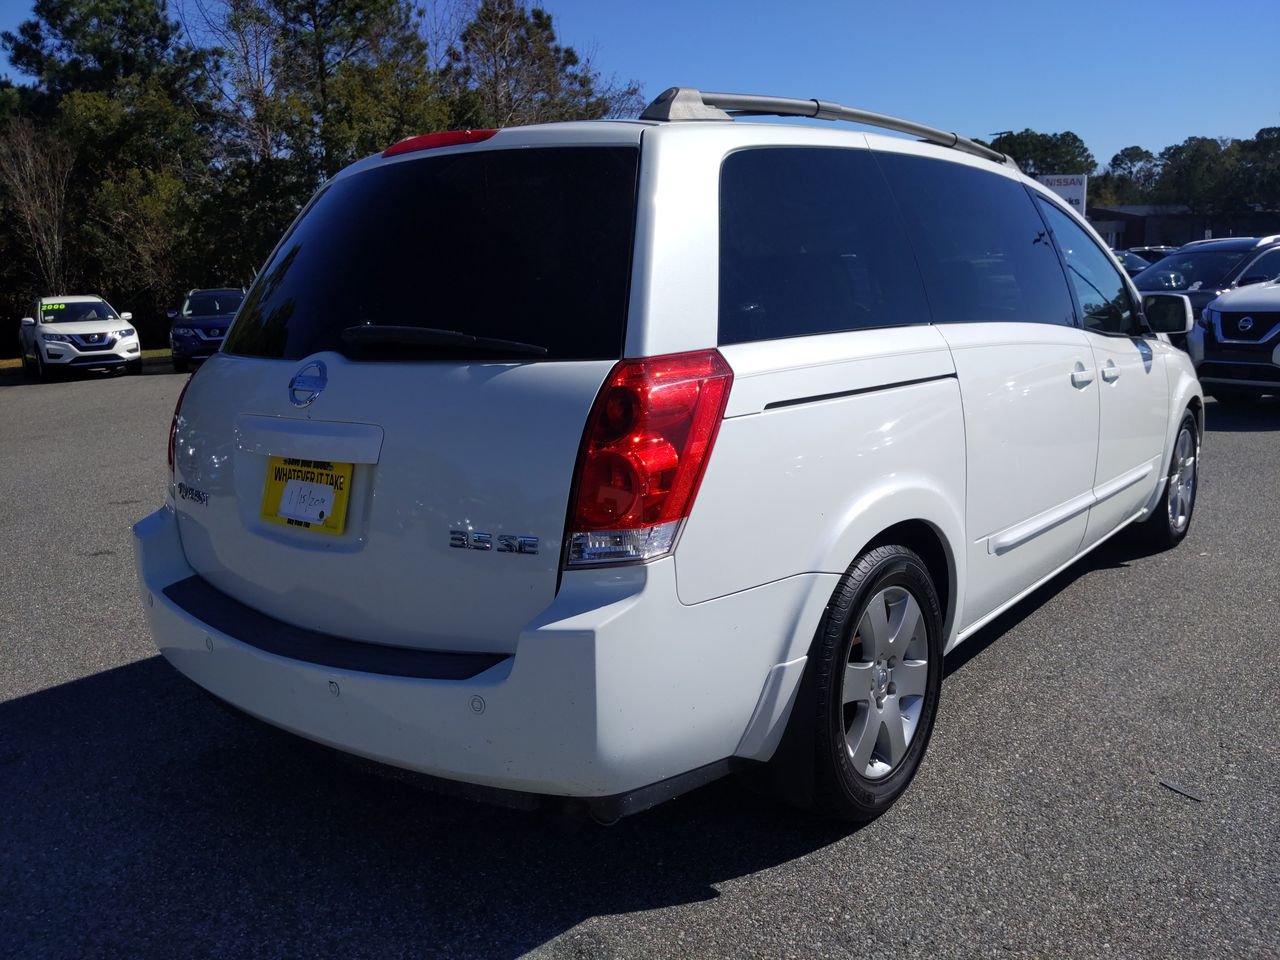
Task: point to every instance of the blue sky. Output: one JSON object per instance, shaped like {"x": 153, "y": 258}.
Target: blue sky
{"x": 1116, "y": 73}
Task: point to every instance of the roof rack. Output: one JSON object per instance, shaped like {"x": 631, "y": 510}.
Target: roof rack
{"x": 686, "y": 103}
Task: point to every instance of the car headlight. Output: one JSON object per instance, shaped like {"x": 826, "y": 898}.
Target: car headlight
{"x": 126, "y": 332}
{"x": 51, "y": 337}
{"x": 184, "y": 332}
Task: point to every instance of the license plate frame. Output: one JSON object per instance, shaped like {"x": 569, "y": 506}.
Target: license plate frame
{"x": 323, "y": 473}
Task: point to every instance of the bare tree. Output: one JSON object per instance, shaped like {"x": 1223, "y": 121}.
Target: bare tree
{"x": 35, "y": 171}
{"x": 621, "y": 101}
{"x": 441, "y": 25}
{"x": 510, "y": 64}
{"x": 247, "y": 36}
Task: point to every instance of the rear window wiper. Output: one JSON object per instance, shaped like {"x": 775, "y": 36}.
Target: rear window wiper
{"x": 387, "y": 335}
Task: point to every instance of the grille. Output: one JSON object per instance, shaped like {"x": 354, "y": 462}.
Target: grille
{"x": 1260, "y": 326}
{"x": 82, "y": 341}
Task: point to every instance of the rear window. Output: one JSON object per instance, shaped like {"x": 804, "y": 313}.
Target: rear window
{"x": 532, "y": 246}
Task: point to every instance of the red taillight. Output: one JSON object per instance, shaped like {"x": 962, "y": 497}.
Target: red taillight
{"x": 429, "y": 141}
{"x": 173, "y": 424}
{"x": 646, "y": 446}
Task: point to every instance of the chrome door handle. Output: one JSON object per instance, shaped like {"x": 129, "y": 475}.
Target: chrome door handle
{"x": 1111, "y": 373}
{"x": 1080, "y": 377}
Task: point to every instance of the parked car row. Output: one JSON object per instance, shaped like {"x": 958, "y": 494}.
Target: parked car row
{"x": 1232, "y": 284}
{"x": 1132, "y": 263}
{"x": 65, "y": 333}
{"x": 1152, "y": 254}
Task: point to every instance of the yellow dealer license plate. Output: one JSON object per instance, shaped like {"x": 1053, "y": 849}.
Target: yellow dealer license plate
{"x": 308, "y": 494}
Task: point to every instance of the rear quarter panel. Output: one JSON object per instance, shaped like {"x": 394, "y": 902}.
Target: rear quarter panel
{"x": 828, "y": 441}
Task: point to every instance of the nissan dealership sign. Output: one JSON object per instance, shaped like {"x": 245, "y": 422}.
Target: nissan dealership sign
{"x": 1069, "y": 186}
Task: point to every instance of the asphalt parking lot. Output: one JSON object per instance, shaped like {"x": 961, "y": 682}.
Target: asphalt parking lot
{"x": 1104, "y": 779}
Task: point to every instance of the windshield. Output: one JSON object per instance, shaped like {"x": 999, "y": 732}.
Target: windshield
{"x": 79, "y": 312}
{"x": 212, "y": 304}
{"x": 1131, "y": 261}
{"x": 529, "y": 245}
{"x": 1190, "y": 270}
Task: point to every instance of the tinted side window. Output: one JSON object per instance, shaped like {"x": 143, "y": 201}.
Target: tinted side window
{"x": 810, "y": 243}
{"x": 1267, "y": 265}
{"x": 1104, "y": 298}
{"x": 984, "y": 252}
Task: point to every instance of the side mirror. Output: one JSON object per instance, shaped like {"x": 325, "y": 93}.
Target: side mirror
{"x": 28, "y": 321}
{"x": 172, "y": 314}
{"x": 1169, "y": 312}
{"x": 126, "y": 315}
{"x": 1251, "y": 280}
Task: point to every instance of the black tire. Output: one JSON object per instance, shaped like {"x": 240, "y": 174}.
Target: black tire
{"x": 133, "y": 367}
{"x": 28, "y": 366}
{"x": 1162, "y": 530}
{"x": 839, "y": 788}
{"x": 181, "y": 365}
{"x": 42, "y": 372}
{"x": 1236, "y": 398}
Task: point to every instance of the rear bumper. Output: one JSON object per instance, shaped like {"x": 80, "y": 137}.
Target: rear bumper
{"x": 617, "y": 693}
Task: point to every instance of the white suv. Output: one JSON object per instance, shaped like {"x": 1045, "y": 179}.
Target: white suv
{"x": 77, "y": 333}
{"x": 595, "y": 460}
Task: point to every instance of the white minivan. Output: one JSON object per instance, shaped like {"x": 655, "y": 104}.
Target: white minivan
{"x": 593, "y": 461}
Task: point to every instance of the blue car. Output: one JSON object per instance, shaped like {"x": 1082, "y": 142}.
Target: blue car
{"x": 199, "y": 327}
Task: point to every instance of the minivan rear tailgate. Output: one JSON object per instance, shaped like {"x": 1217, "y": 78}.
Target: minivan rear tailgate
{"x": 460, "y": 476}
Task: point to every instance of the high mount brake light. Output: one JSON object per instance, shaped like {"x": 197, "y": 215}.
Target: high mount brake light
{"x": 646, "y": 446}
{"x": 173, "y": 425}
{"x": 429, "y": 141}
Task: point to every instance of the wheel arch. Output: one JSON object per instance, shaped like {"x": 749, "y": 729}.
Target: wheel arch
{"x": 925, "y": 540}
{"x": 1196, "y": 406}
{"x": 918, "y": 513}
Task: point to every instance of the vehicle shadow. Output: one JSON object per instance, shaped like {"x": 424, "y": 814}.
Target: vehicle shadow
{"x": 1120, "y": 551}
{"x": 135, "y": 816}
{"x": 1261, "y": 416}
{"x": 14, "y": 376}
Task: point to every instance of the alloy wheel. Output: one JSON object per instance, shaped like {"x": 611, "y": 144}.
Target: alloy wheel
{"x": 884, "y": 682}
{"x": 1182, "y": 481}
